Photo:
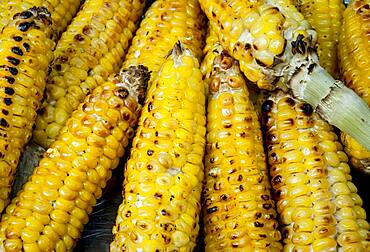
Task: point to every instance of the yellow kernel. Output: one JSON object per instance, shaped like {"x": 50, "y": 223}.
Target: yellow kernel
{"x": 29, "y": 236}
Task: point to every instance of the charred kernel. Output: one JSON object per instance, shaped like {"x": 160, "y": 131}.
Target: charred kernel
{"x": 24, "y": 14}
{"x": 25, "y": 26}
{"x": 13, "y": 60}
{"x": 79, "y": 37}
{"x": 258, "y": 215}
{"x": 212, "y": 209}
{"x": 128, "y": 213}
{"x": 164, "y": 212}
{"x": 122, "y": 93}
{"x": 267, "y": 206}
{"x": 150, "y": 152}
{"x": 10, "y": 79}
{"x": 240, "y": 177}
{"x": 223, "y": 197}
{"x": 265, "y": 197}
{"x": 5, "y": 112}
{"x": 17, "y": 50}
{"x": 150, "y": 106}
{"x": 8, "y": 101}
{"x": 227, "y": 125}
{"x": 58, "y": 67}
{"x": 247, "y": 46}
{"x": 9, "y": 91}
{"x": 13, "y": 70}
{"x": 241, "y": 188}
{"x": 267, "y": 106}
{"x": 307, "y": 109}
{"x": 17, "y": 38}
{"x": 3, "y": 123}
{"x": 149, "y": 167}
{"x": 258, "y": 224}
{"x": 290, "y": 101}
{"x": 158, "y": 195}
{"x": 26, "y": 46}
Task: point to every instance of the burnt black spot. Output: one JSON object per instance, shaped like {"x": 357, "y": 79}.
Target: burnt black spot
{"x": 25, "y": 26}
{"x": 58, "y": 67}
{"x": 311, "y": 67}
{"x": 232, "y": 161}
{"x": 17, "y": 50}
{"x": 150, "y": 106}
{"x": 3, "y": 123}
{"x": 265, "y": 197}
{"x": 24, "y": 15}
{"x": 10, "y": 79}
{"x": 9, "y": 91}
{"x": 211, "y": 160}
{"x": 263, "y": 236}
{"x": 267, "y": 106}
{"x": 247, "y": 46}
{"x": 13, "y": 70}
{"x": 172, "y": 197}
{"x": 150, "y": 152}
{"x": 234, "y": 245}
{"x": 158, "y": 195}
{"x": 315, "y": 148}
{"x": 227, "y": 125}
{"x": 307, "y": 109}
{"x": 258, "y": 215}
{"x": 155, "y": 141}
{"x": 290, "y": 101}
{"x": 164, "y": 212}
{"x": 13, "y": 60}
{"x": 277, "y": 179}
{"x": 63, "y": 59}
{"x": 213, "y": 14}
{"x": 128, "y": 213}
{"x": 5, "y": 112}
{"x": 258, "y": 224}
{"x": 241, "y": 188}
{"x": 240, "y": 178}
{"x": 79, "y": 37}
{"x": 26, "y": 46}
{"x": 278, "y": 194}
{"x": 8, "y": 101}
{"x": 223, "y": 197}
{"x": 156, "y": 133}
{"x": 122, "y": 93}
{"x": 17, "y": 38}
{"x": 86, "y": 30}
{"x": 149, "y": 167}
{"x": 212, "y": 210}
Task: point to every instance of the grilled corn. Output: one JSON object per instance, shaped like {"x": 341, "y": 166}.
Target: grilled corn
{"x": 318, "y": 204}
{"x": 239, "y": 212}
{"x": 275, "y": 47}
{"x": 49, "y": 213}
{"x": 91, "y": 49}
{"x": 354, "y": 66}
{"x": 26, "y": 50}
{"x": 163, "y": 177}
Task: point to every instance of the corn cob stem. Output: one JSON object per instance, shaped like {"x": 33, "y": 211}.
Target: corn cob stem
{"x": 318, "y": 204}
{"x": 51, "y": 210}
{"x": 26, "y": 50}
{"x": 275, "y": 48}
{"x": 163, "y": 177}
{"x": 239, "y": 213}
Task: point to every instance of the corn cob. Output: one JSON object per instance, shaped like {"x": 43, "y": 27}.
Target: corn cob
{"x": 164, "y": 24}
{"x": 354, "y": 66}
{"x": 62, "y": 11}
{"x": 239, "y": 212}
{"x": 51, "y": 210}
{"x": 163, "y": 177}
{"x": 89, "y": 51}
{"x": 318, "y": 204}
{"x": 26, "y": 50}
{"x": 326, "y": 18}
{"x": 275, "y": 47}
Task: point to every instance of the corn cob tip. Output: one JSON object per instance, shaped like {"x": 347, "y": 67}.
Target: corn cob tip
{"x": 133, "y": 81}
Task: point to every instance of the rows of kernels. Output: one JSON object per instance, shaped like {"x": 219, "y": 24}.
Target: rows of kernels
{"x": 164, "y": 24}
{"x": 256, "y": 38}
{"x": 50, "y": 211}
{"x": 61, "y": 12}
{"x": 342, "y": 224}
{"x": 239, "y": 212}
{"x": 354, "y": 65}
{"x": 352, "y": 227}
{"x": 298, "y": 176}
{"x": 91, "y": 49}
{"x": 163, "y": 177}
{"x": 25, "y": 55}
{"x": 326, "y": 18}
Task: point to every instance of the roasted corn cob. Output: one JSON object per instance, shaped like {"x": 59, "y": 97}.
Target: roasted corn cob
{"x": 26, "y": 50}
{"x": 318, "y": 204}
{"x": 89, "y": 51}
{"x": 275, "y": 47}
{"x": 62, "y": 11}
{"x": 239, "y": 212}
{"x": 354, "y": 65}
{"x": 51, "y": 210}
{"x": 166, "y": 22}
{"x": 163, "y": 177}
{"x": 326, "y": 18}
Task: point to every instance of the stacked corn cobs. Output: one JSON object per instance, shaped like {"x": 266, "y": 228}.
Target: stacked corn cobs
{"x": 205, "y": 159}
